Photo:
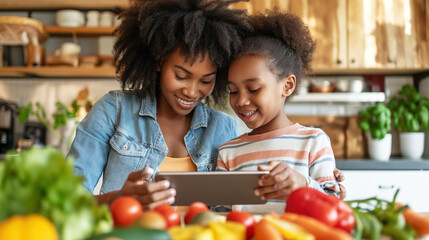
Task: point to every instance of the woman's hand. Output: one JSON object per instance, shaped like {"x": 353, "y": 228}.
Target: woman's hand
{"x": 280, "y": 182}
{"x": 149, "y": 194}
{"x": 339, "y": 177}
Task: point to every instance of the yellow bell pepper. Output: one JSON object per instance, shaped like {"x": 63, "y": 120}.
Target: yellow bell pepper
{"x": 228, "y": 230}
{"x": 32, "y": 226}
{"x": 289, "y": 230}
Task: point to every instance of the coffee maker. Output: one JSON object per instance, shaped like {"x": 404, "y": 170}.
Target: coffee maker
{"x": 7, "y": 125}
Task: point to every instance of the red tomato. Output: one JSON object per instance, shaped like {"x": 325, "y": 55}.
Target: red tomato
{"x": 125, "y": 210}
{"x": 244, "y": 218}
{"x": 194, "y": 209}
{"x": 171, "y": 216}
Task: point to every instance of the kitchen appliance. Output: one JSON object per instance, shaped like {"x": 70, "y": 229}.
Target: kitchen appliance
{"x": 7, "y": 125}
{"x": 36, "y": 132}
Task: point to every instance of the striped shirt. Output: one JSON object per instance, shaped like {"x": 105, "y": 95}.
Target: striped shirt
{"x": 307, "y": 150}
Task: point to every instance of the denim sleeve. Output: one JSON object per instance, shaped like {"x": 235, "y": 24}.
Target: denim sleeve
{"x": 90, "y": 147}
{"x": 234, "y": 129}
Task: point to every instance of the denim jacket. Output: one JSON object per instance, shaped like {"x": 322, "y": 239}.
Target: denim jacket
{"x": 121, "y": 135}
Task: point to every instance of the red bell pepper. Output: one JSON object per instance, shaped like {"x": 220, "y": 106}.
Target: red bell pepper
{"x": 328, "y": 209}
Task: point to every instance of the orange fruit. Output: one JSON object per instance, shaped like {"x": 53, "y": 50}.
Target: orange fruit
{"x": 151, "y": 219}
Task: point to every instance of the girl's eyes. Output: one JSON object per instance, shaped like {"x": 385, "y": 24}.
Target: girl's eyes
{"x": 250, "y": 90}
{"x": 254, "y": 90}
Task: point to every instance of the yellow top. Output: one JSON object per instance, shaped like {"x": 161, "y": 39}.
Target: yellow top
{"x": 184, "y": 164}
{"x": 178, "y": 165}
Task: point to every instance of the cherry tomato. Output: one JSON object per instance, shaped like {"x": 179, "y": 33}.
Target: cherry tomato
{"x": 125, "y": 210}
{"x": 244, "y": 218}
{"x": 194, "y": 209}
{"x": 171, "y": 216}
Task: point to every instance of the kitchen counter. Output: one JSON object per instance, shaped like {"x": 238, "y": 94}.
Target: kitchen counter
{"x": 367, "y": 164}
{"x": 392, "y": 164}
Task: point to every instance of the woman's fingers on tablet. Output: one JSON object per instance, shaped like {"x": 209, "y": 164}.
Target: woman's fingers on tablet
{"x": 339, "y": 175}
{"x": 155, "y": 198}
{"x": 140, "y": 175}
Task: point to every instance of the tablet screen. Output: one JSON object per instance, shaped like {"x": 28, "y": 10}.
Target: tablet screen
{"x": 214, "y": 188}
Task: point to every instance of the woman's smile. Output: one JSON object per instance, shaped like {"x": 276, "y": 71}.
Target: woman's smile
{"x": 186, "y": 103}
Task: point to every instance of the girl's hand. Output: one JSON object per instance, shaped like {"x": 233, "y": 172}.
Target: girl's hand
{"x": 280, "y": 182}
{"x": 149, "y": 194}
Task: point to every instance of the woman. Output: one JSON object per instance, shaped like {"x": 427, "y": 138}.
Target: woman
{"x": 169, "y": 55}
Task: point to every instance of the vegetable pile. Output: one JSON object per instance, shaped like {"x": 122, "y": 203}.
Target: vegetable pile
{"x": 376, "y": 217}
{"x": 41, "y": 181}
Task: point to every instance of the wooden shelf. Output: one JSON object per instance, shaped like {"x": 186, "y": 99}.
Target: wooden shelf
{"x": 339, "y": 97}
{"x": 57, "y": 72}
{"x": 51, "y": 72}
{"x": 368, "y": 71}
{"x": 79, "y": 31}
{"x": 64, "y": 4}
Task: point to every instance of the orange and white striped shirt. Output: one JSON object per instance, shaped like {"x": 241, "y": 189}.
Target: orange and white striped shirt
{"x": 305, "y": 149}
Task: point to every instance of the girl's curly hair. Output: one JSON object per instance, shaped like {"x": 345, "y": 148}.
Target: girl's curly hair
{"x": 151, "y": 30}
{"x": 283, "y": 40}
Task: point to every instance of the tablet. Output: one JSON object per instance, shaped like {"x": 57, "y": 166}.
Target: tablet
{"x": 214, "y": 188}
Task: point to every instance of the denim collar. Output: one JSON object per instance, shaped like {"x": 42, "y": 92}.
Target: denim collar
{"x": 199, "y": 119}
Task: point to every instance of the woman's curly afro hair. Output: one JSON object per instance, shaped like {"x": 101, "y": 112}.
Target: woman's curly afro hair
{"x": 283, "y": 40}
{"x": 151, "y": 30}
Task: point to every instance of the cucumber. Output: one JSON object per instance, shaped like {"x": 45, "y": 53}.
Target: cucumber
{"x": 133, "y": 233}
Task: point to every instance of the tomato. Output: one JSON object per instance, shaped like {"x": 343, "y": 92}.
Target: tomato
{"x": 171, "y": 216}
{"x": 194, "y": 209}
{"x": 244, "y": 218}
{"x": 125, "y": 210}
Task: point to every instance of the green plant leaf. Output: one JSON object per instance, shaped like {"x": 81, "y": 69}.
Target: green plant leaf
{"x": 414, "y": 96}
{"x": 364, "y": 125}
{"x": 24, "y": 112}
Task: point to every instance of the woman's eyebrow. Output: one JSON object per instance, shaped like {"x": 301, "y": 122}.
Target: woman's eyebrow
{"x": 184, "y": 69}
{"x": 188, "y": 72}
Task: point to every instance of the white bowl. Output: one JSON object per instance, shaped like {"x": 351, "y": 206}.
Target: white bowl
{"x": 70, "y": 18}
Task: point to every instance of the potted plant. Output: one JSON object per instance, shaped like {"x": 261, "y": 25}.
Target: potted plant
{"x": 376, "y": 123}
{"x": 410, "y": 113}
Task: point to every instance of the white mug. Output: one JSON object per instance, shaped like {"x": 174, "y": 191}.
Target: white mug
{"x": 92, "y": 18}
{"x": 106, "y": 19}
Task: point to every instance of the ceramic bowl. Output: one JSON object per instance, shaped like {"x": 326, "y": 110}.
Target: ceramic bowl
{"x": 70, "y": 18}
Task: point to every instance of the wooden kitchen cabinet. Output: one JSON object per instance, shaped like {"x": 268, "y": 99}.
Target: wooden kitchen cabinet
{"x": 327, "y": 21}
{"x": 413, "y": 185}
{"x": 361, "y": 35}
{"x": 387, "y": 34}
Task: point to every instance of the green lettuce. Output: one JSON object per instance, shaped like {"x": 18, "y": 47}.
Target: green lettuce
{"x": 41, "y": 180}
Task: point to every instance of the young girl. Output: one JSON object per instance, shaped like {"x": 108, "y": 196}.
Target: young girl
{"x": 169, "y": 55}
{"x": 263, "y": 75}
